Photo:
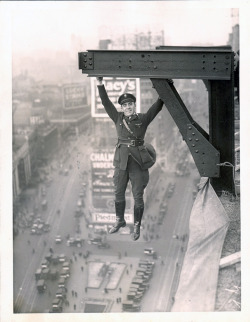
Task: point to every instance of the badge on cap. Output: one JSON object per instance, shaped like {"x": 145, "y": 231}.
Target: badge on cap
{"x": 126, "y": 97}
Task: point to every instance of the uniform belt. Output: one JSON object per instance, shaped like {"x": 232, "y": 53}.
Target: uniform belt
{"x": 130, "y": 142}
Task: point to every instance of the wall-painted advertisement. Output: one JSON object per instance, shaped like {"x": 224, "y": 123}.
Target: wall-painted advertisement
{"x": 115, "y": 87}
{"x": 102, "y": 180}
{"x": 74, "y": 95}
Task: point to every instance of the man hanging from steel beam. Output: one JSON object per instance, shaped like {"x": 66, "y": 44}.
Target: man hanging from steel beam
{"x": 132, "y": 157}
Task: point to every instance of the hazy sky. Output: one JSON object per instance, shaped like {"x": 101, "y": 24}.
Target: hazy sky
{"x": 49, "y": 25}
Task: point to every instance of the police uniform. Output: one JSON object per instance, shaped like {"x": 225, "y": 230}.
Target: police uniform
{"x": 131, "y": 158}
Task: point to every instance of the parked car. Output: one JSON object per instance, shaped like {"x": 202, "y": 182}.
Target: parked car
{"x": 38, "y": 274}
{"x": 130, "y": 306}
{"x": 64, "y": 273}
{"x": 58, "y": 239}
{"x": 57, "y": 305}
{"x": 61, "y": 293}
{"x": 45, "y": 273}
{"x": 44, "y": 204}
{"x": 33, "y": 231}
{"x": 66, "y": 266}
{"x": 62, "y": 282}
{"x": 45, "y": 264}
{"x": 62, "y": 258}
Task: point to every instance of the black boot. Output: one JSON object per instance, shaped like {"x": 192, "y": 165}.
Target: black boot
{"x": 138, "y": 212}
{"x": 120, "y": 222}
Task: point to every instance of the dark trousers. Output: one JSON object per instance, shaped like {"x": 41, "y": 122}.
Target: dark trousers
{"x": 139, "y": 179}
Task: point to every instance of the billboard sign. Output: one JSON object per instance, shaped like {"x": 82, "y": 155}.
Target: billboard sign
{"x": 115, "y": 87}
{"x": 107, "y": 218}
{"x": 74, "y": 95}
{"x": 102, "y": 180}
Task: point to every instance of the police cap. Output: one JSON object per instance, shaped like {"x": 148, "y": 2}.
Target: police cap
{"x": 126, "y": 97}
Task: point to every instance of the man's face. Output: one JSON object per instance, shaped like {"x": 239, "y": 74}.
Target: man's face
{"x": 128, "y": 108}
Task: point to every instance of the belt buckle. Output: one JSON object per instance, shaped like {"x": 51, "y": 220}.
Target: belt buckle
{"x": 132, "y": 142}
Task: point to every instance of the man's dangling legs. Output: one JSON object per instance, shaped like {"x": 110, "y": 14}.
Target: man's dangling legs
{"x": 139, "y": 179}
{"x": 120, "y": 183}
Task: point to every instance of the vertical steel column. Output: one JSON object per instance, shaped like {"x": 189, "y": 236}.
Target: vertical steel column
{"x": 221, "y": 129}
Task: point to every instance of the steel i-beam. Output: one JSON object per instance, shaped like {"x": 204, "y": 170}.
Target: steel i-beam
{"x": 205, "y": 155}
{"x": 176, "y": 62}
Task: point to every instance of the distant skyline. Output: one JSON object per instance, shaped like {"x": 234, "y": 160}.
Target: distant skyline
{"x": 38, "y": 26}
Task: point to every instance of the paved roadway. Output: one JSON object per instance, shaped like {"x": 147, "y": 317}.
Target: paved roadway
{"x": 63, "y": 195}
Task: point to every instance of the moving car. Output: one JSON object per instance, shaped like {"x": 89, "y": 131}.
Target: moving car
{"x": 104, "y": 245}
{"x": 41, "y": 286}
{"x": 149, "y": 251}
{"x": 75, "y": 241}
{"x": 95, "y": 241}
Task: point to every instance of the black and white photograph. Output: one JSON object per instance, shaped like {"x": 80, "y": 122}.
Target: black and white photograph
{"x": 121, "y": 191}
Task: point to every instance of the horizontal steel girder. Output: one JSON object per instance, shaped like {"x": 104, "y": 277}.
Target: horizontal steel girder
{"x": 205, "y": 155}
{"x": 173, "y": 62}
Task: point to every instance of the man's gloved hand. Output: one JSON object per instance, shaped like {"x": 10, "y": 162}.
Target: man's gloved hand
{"x": 99, "y": 80}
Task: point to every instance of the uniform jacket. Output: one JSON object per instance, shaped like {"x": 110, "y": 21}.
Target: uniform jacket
{"x": 138, "y": 123}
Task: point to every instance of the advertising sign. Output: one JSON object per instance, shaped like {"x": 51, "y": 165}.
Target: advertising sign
{"x": 106, "y": 218}
{"x": 115, "y": 87}
{"x": 102, "y": 180}
{"x": 74, "y": 95}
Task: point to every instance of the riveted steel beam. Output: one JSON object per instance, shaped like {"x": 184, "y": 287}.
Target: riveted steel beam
{"x": 171, "y": 62}
{"x": 221, "y": 129}
{"x": 205, "y": 155}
